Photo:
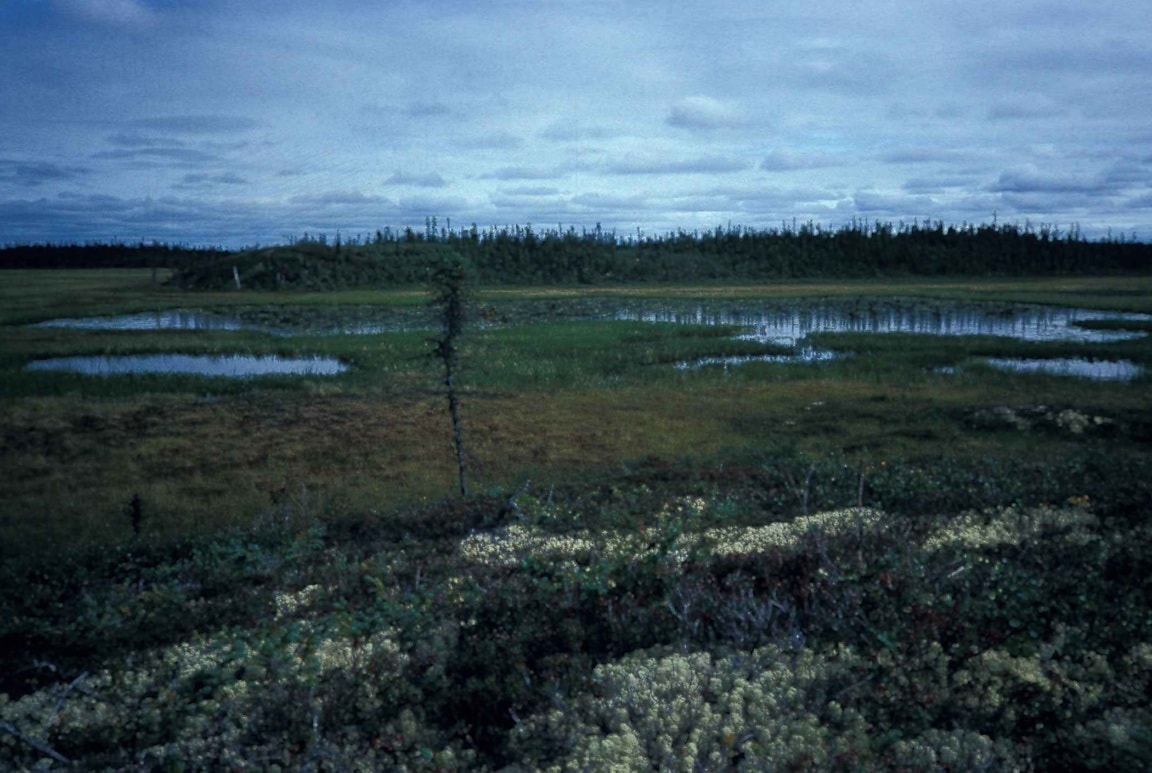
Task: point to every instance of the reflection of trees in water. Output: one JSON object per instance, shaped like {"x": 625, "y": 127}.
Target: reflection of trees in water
{"x": 1099, "y": 370}
{"x": 783, "y": 322}
{"x": 236, "y": 365}
{"x": 151, "y": 320}
{"x": 787, "y": 325}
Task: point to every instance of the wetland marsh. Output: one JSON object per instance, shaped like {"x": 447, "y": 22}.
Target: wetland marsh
{"x": 793, "y": 490}
{"x": 555, "y": 382}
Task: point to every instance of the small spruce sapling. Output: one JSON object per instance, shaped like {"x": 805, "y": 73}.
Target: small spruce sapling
{"x": 135, "y": 513}
{"x": 449, "y": 286}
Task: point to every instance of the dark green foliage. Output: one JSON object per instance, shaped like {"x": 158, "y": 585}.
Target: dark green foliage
{"x": 522, "y": 255}
{"x": 314, "y": 265}
{"x": 940, "y": 631}
{"x": 449, "y": 279}
{"x": 135, "y": 513}
{"x": 112, "y": 255}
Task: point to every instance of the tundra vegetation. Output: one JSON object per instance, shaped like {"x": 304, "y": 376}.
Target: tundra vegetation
{"x": 895, "y": 558}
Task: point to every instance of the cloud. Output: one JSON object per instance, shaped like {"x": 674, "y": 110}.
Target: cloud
{"x": 842, "y": 78}
{"x": 876, "y": 203}
{"x": 176, "y": 156}
{"x": 1129, "y": 172}
{"x": 439, "y": 206}
{"x": 528, "y": 203}
{"x": 129, "y": 14}
{"x": 935, "y": 184}
{"x": 699, "y": 165}
{"x": 524, "y": 173}
{"x": 80, "y": 217}
{"x": 612, "y": 202}
{"x": 769, "y": 198}
{"x": 197, "y": 124}
{"x": 531, "y": 190}
{"x": 430, "y": 180}
{"x": 427, "y": 109}
{"x": 698, "y": 107}
{"x": 495, "y": 141}
{"x": 1023, "y": 108}
{"x": 703, "y": 113}
{"x": 337, "y": 198}
{"x": 787, "y": 161}
{"x": 1027, "y": 179}
{"x": 210, "y": 180}
{"x": 137, "y": 140}
{"x": 570, "y": 130}
{"x": 1079, "y": 56}
{"x": 1141, "y": 202}
{"x": 34, "y": 173}
{"x": 924, "y": 155}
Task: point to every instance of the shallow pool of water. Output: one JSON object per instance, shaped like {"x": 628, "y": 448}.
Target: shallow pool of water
{"x": 282, "y": 321}
{"x": 801, "y": 356}
{"x": 779, "y": 322}
{"x": 153, "y": 320}
{"x": 1099, "y": 370}
{"x": 233, "y": 366}
{"x": 788, "y": 323}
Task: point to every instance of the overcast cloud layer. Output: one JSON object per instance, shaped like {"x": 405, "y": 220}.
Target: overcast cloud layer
{"x": 234, "y": 123}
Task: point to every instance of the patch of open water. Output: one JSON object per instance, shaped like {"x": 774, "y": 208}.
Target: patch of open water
{"x": 233, "y": 366}
{"x": 290, "y": 321}
{"x": 780, "y": 322}
{"x": 153, "y": 320}
{"x": 805, "y": 354}
{"x": 788, "y": 324}
{"x": 1097, "y": 370}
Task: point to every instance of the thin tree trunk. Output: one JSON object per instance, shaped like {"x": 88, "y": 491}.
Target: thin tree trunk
{"x": 457, "y": 430}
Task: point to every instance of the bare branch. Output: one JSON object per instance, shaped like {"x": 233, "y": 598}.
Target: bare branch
{"x": 39, "y": 746}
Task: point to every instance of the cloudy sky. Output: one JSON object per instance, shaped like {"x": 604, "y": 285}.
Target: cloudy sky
{"x": 236, "y": 122}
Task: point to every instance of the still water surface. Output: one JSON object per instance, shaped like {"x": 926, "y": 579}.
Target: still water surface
{"x": 235, "y": 366}
{"x": 787, "y": 325}
{"x": 781, "y": 322}
{"x": 1098, "y": 370}
{"x": 153, "y": 320}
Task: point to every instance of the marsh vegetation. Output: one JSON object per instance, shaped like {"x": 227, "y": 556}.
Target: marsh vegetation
{"x": 898, "y": 556}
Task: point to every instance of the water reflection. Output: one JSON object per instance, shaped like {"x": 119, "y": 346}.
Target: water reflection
{"x": 788, "y": 324}
{"x": 1100, "y": 370}
{"x": 778, "y": 322}
{"x": 281, "y": 321}
{"x": 154, "y": 320}
{"x": 234, "y": 366}
{"x": 803, "y": 355}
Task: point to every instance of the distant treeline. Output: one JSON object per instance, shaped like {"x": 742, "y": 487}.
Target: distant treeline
{"x": 104, "y": 255}
{"x": 522, "y": 254}
{"x": 791, "y": 251}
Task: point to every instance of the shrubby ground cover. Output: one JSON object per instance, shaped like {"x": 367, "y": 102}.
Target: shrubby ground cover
{"x": 678, "y": 621}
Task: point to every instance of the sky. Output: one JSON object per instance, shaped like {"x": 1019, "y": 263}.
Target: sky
{"x": 243, "y": 122}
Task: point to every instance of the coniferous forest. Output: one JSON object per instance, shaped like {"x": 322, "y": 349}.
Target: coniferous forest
{"x": 525, "y": 255}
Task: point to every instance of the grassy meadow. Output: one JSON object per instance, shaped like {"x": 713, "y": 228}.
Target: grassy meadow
{"x": 899, "y": 558}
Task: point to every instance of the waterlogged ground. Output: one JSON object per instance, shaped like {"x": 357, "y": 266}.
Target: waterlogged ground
{"x": 780, "y": 322}
{"x": 1102, "y": 370}
{"x": 231, "y": 366}
{"x": 856, "y": 562}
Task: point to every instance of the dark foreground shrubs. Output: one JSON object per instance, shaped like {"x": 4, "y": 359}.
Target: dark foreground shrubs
{"x": 762, "y": 613}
